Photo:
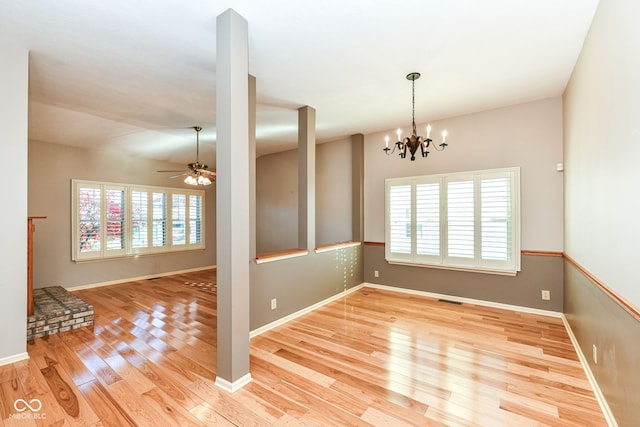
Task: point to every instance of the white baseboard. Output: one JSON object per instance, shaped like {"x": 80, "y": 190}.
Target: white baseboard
{"x": 306, "y": 310}
{"x": 299, "y": 313}
{"x": 15, "y": 358}
{"x": 232, "y": 387}
{"x": 469, "y": 300}
{"x": 606, "y": 410}
{"x": 133, "y": 279}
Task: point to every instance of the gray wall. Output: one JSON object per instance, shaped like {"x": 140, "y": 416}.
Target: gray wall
{"x": 51, "y": 168}
{"x": 277, "y": 197}
{"x": 299, "y": 282}
{"x": 333, "y": 192}
{"x": 538, "y": 273}
{"x": 602, "y": 153}
{"x": 277, "y": 201}
{"x": 596, "y": 319}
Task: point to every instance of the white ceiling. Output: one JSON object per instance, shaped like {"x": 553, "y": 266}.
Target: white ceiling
{"x": 135, "y": 76}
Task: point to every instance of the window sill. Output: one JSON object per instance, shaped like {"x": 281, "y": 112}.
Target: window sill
{"x": 455, "y": 268}
{"x": 336, "y": 246}
{"x": 280, "y": 255}
{"x": 138, "y": 254}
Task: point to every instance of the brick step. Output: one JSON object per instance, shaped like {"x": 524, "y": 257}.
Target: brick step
{"x": 57, "y": 310}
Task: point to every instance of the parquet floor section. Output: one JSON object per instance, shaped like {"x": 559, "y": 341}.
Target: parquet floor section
{"x": 371, "y": 358}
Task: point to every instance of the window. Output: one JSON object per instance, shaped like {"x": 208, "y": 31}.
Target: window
{"x": 114, "y": 220}
{"x": 468, "y": 221}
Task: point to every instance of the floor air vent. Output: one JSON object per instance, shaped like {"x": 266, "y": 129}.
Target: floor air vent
{"x": 448, "y": 301}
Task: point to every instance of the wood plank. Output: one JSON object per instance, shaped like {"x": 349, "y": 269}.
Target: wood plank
{"x": 172, "y": 414}
{"x": 372, "y": 357}
{"x": 134, "y": 406}
{"x": 35, "y": 387}
{"x": 104, "y": 405}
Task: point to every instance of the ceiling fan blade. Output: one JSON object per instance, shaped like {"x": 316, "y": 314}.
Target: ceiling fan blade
{"x": 177, "y": 176}
{"x": 169, "y": 171}
{"x": 206, "y": 172}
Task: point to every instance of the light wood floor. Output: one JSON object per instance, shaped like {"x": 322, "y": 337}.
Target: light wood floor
{"x": 371, "y": 358}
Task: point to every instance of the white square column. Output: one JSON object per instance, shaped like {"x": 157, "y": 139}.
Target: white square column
{"x": 307, "y": 178}
{"x": 232, "y": 200}
{"x": 14, "y": 113}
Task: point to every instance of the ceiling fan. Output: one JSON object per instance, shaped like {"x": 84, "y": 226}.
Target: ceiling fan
{"x": 197, "y": 173}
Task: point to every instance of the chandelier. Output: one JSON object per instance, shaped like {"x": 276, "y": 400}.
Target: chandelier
{"x": 413, "y": 142}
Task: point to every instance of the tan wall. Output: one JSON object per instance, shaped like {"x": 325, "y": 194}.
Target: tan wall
{"x": 602, "y": 149}
{"x": 602, "y": 157}
{"x": 51, "y": 168}
{"x": 527, "y": 135}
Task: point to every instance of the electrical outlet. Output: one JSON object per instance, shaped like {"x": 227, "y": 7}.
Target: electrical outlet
{"x": 546, "y": 295}
{"x": 376, "y": 273}
{"x": 274, "y": 304}
{"x": 595, "y": 354}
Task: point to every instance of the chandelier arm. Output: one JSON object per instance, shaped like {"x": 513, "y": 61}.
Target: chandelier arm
{"x": 424, "y": 147}
{"x": 442, "y": 146}
{"x": 402, "y": 146}
{"x": 387, "y": 149}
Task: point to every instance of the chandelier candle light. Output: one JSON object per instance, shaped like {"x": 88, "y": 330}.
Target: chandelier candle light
{"x": 414, "y": 141}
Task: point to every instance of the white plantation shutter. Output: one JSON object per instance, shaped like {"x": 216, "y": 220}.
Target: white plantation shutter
{"x": 428, "y": 219}
{"x": 99, "y": 220}
{"x": 195, "y": 218}
{"x": 467, "y": 220}
{"x": 89, "y": 219}
{"x": 400, "y": 219}
{"x": 115, "y": 220}
{"x": 114, "y": 213}
{"x": 159, "y": 218}
{"x": 139, "y": 219}
{"x": 496, "y": 218}
{"x": 178, "y": 219}
{"x": 460, "y": 220}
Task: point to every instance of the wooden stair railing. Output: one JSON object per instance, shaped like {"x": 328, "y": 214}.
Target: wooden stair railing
{"x": 31, "y": 228}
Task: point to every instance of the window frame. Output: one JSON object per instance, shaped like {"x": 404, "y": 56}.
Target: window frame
{"x": 128, "y": 249}
{"x": 509, "y": 266}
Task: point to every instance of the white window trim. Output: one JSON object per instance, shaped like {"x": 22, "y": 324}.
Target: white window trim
{"x": 128, "y": 250}
{"x": 442, "y": 261}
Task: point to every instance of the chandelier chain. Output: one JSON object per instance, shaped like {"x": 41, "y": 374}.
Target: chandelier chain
{"x": 413, "y": 105}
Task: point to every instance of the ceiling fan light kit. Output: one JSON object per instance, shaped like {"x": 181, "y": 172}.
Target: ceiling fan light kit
{"x": 198, "y": 173}
{"x": 413, "y": 142}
